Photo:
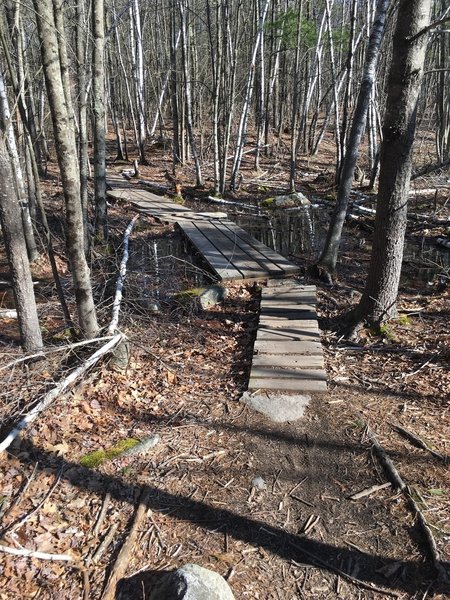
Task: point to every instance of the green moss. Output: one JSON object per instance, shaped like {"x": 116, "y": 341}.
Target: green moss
{"x": 404, "y": 320}
{"x": 268, "y": 202}
{"x": 186, "y": 295}
{"x": 386, "y": 332}
{"x": 178, "y": 199}
{"x": 98, "y": 457}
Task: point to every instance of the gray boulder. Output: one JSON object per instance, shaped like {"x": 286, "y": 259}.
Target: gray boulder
{"x": 212, "y": 295}
{"x": 191, "y": 582}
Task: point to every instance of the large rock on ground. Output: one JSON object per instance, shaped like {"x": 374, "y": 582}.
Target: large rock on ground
{"x": 191, "y": 582}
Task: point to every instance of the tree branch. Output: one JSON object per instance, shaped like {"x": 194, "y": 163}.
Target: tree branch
{"x": 442, "y": 19}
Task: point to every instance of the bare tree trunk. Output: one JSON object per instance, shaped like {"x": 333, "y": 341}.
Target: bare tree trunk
{"x": 68, "y": 165}
{"x": 329, "y": 254}
{"x": 247, "y": 99}
{"x": 98, "y": 109}
{"x": 81, "y": 35}
{"x": 183, "y": 6}
{"x": 378, "y": 302}
{"x": 16, "y": 251}
{"x": 10, "y": 139}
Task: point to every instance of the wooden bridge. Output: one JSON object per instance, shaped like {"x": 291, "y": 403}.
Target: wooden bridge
{"x": 288, "y": 353}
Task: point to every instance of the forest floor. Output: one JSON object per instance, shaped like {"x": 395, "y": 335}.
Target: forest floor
{"x": 300, "y": 537}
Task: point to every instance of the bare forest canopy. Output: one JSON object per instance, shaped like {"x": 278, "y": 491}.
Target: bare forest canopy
{"x": 222, "y": 84}
{"x": 212, "y": 77}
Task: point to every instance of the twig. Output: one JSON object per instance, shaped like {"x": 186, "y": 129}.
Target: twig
{"x": 59, "y": 389}
{"x": 121, "y": 278}
{"x": 26, "y": 517}
{"x": 321, "y": 563}
{"x": 21, "y": 493}
{"x": 121, "y": 563}
{"x": 105, "y": 543}
{"x": 368, "y": 491}
{"x": 408, "y": 492}
{"x": 65, "y": 348}
{"x": 102, "y": 514}
{"x": 33, "y": 554}
{"x": 412, "y": 437}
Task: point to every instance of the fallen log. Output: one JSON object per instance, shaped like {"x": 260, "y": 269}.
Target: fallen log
{"x": 121, "y": 564}
{"x": 121, "y": 278}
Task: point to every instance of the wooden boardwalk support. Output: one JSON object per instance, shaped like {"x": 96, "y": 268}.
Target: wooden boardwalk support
{"x": 287, "y": 353}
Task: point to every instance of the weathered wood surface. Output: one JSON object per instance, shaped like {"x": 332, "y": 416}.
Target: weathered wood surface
{"x": 288, "y": 354}
{"x": 230, "y": 252}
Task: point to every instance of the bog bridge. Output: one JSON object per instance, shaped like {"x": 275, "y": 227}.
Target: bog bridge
{"x": 288, "y": 354}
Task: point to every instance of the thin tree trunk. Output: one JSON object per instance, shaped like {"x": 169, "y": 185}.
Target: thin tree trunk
{"x": 240, "y": 143}
{"x": 329, "y": 254}
{"x": 10, "y": 140}
{"x": 98, "y": 109}
{"x": 81, "y": 25}
{"x": 30, "y": 333}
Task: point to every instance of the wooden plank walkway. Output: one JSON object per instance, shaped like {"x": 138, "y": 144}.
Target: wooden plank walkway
{"x": 287, "y": 365}
{"x": 230, "y": 252}
{"x": 287, "y": 353}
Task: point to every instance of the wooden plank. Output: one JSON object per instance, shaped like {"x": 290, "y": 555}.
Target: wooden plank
{"x": 240, "y": 260}
{"x": 288, "y": 313}
{"x": 295, "y": 361}
{"x": 267, "y": 265}
{"x": 288, "y": 347}
{"x": 279, "y": 260}
{"x": 287, "y": 303}
{"x": 291, "y": 324}
{"x": 291, "y": 374}
{"x": 289, "y": 385}
{"x": 216, "y": 260}
{"x": 287, "y": 334}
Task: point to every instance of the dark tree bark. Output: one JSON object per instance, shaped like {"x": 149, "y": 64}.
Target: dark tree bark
{"x": 68, "y": 165}
{"x": 16, "y": 250}
{"x": 378, "y": 302}
{"x": 328, "y": 258}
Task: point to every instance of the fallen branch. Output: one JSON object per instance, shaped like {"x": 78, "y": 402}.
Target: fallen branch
{"x": 6, "y": 313}
{"x": 42, "y": 353}
{"x": 412, "y": 437}
{"x": 121, "y": 563}
{"x": 105, "y": 543}
{"x": 59, "y": 389}
{"x": 368, "y": 491}
{"x": 408, "y": 493}
{"x": 33, "y": 554}
{"x": 318, "y": 562}
{"x": 385, "y": 461}
{"x": 120, "y": 280}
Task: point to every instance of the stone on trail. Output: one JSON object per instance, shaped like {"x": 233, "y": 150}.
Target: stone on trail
{"x": 278, "y": 407}
{"x": 212, "y": 295}
{"x": 191, "y": 582}
{"x": 259, "y": 484}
